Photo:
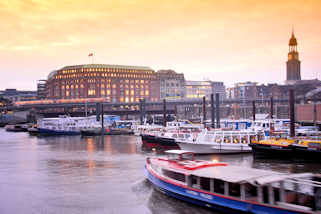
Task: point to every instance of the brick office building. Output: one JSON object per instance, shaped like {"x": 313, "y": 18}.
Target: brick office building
{"x": 115, "y": 83}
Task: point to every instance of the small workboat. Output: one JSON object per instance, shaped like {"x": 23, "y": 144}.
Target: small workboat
{"x": 307, "y": 149}
{"x": 233, "y": 188}
{"x": 14, "y": 128}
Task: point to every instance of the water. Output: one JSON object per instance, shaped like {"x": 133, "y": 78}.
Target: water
{"x": 93, "y": 175}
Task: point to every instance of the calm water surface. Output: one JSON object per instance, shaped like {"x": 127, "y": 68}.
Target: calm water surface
{"x": 93, "y": 175}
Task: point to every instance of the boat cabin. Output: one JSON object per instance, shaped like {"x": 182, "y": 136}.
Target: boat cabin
{"x": 179, "y": 155}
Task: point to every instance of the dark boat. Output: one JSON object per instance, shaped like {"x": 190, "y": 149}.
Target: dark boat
{"x": 14, "y": 128}
{"x": 107, "y": 131}
{"x": 278, "y": 145}
{"x": 307, "y": 149}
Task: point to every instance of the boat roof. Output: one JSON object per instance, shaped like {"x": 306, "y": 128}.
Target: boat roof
{"x": 276, "y": 178}
{"x": 177, "y": 152}
{"x": 235, "y": 174}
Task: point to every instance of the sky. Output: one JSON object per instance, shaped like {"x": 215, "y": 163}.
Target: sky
{"x": 230, "y": 41}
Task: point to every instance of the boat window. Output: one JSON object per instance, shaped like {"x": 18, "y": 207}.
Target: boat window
{"x": 236, "y": 139}
{"x": 205, "y": 184}
{"x": 181, "y": 135}
{"x": 226, "y": 139}
{"x": 174, "y": 175}
{"x": 250, "y": 191}
{"x": 218, "y": 186}
{"x": 244, "y": 139}
{"x": 187, "y": 136}
{"x": 174, "y": 135}
{"x": 193, "y": 181}
{"x": 252, "y": 138}
{"x": 218, "y": 139}
{"x": 187, "y": 156}
{"x": 234, "y": 189}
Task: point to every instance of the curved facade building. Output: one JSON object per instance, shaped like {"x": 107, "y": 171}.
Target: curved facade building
{"x": 115, "y": 83}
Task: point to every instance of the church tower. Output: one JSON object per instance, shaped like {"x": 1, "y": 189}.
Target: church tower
{"x": 293, "y": 71}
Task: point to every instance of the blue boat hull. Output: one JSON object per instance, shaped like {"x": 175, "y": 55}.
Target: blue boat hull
{"x": 213, "y": 201}
{"x": 56, "y": 132}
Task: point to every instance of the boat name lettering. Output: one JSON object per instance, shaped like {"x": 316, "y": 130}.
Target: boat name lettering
{"x": 206, "y": 196}
{"x": 191, "y": 192}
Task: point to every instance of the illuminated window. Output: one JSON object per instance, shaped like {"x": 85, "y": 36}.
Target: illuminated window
{"x": 102, "y": 92}
{"x": 142, "y": 93}
{"x": 132, "y": 99}
{"x": 127, "y": 92}
{"x": 114, "y": 85}
{"x": 102, "y": 86}
{"x": 108, "y": 92}
{"x": 91, "y": 92}
{"x": 132, "y": 92}
{"x": 146, "y": 92}
{"x": 126, "y": 99}
{"x": 121, "y": 99}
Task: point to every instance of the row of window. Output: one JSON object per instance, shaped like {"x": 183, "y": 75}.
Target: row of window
{"x": 104, "y": 70}
{"x": 64, "y": 76}
{"x": 102, "y": 86}
{"x": 219, "y": 186}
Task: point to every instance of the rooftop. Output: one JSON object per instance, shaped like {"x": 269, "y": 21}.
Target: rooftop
{"x": 106, "y": 66}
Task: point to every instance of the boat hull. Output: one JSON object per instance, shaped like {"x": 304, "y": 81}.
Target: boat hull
{"x": 261, "y": 150}
{"x": 306, "y": 153}
{"x": 42, "y": 131}
{"x": 199, "y": 148}
{"x": 159, "y": 141}
{"x": 96, "y": 132}
{"x": 209, "y": 200}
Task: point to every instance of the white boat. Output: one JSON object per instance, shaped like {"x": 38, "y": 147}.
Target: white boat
{"x": 216, "y": 142}
{"x": 65, "y": 125}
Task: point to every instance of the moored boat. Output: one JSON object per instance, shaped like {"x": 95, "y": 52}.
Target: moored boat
{"x": 307, "y": 149}
{"x": 33, "y": 130}
{"x": 14, "y": 128}
{"x": 278, "y": 145}
{"x": 233, "y": 188}
{"x": 220, "y": 142}
{"x": 106, "y": 131}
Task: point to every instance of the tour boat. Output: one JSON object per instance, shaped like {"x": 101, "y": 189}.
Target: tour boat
{"x": 216, "y": 142}
{"x": 65, "y": 125}
{"x": 168, "y": 136}
{"x": 233, "y": 188}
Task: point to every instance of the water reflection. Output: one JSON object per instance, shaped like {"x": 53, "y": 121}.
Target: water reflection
{"x": 95, "y": 175}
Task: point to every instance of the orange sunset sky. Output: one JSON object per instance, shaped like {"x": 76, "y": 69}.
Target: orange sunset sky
{"x": 230, "y": 41}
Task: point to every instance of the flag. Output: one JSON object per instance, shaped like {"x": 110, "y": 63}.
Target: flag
{"x": 91, "y": 54}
